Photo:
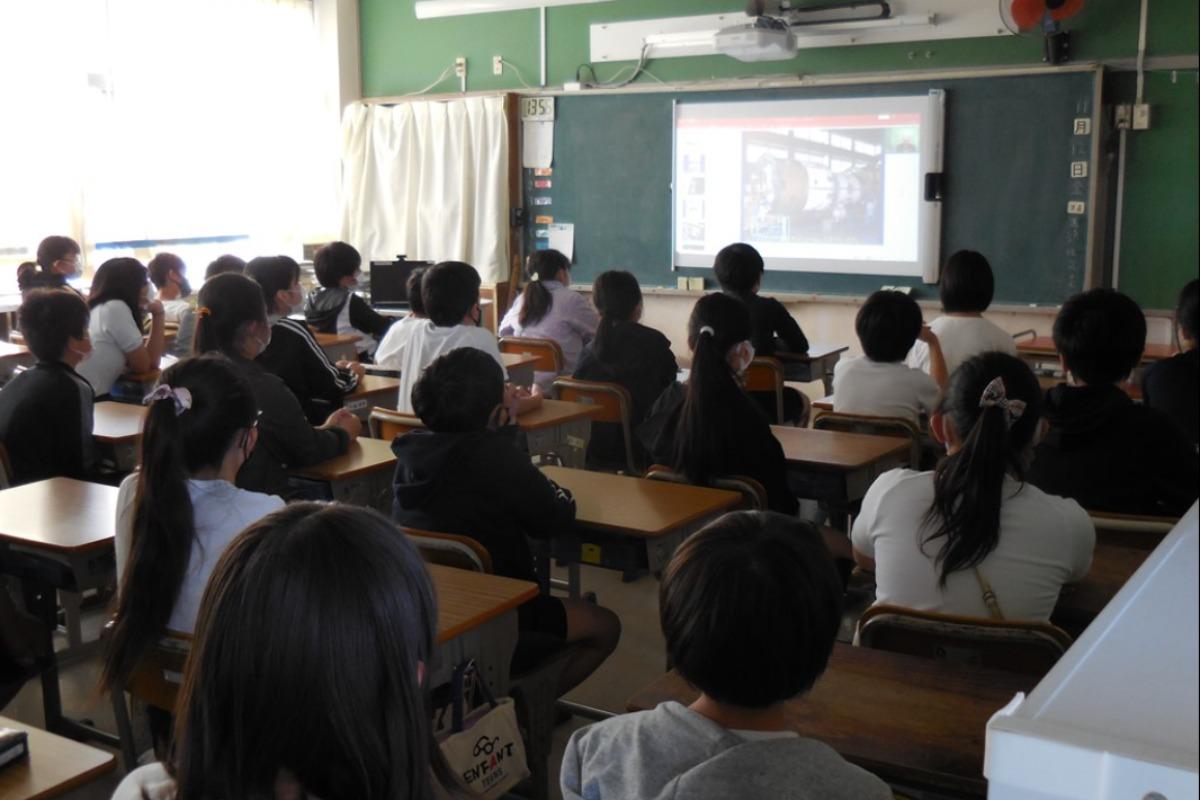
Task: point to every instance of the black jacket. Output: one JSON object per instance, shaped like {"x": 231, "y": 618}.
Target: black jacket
{"x": 295, "y": 356}
{"x": 323, "y": 306}
{"x": 46, "y": 423}
{"x": 750, "y": 447}
{"x": 1171, "y": 386}
{"x": 480, "y": 485}
{"x": 638, "y": 358}
{"x": 772, "y": 327}
{"x": 285, "y": 437}
{"x": 1111, "y": 454}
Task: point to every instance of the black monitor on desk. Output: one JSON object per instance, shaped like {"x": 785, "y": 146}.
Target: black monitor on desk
{"x": 389, "y": 282}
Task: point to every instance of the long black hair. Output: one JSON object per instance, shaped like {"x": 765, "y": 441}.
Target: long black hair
{"x": 175, "y": 444}
{"x": 969, "y": 485}
{"x": 307, "y": 650}
{"x": 543, "y": 265}
{"x": 617, "y": 296}
{"x": 718, "y": 322}
{"x": 121, "y": 279}
{"x": 227, "y": 305}
{"x": 274, "y": 274}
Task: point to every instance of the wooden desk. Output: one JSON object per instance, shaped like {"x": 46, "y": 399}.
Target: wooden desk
{"x": 58, "y": 534}
{"x": 1080, "y": 603}
{"x": 519, "y": 367}
{"x": 117, "y": 428}
{"x": 11, "y": 357}
{"x": 372, "y": 390}
{"x": 915, "y": 721}
{"x": 54, "y": 766}
{"x": 823, "y": 404}
{"x": 1042, "y": 348}
{"x": 821, "y": 359}
{"x": 630, "y": 523}
{"x": 339, "y": 346}
{"x": 361, "y": 476}
{"x": 561, "y": 428}
{"x": 467, "y": 600}
{"x": 835, "y": 466}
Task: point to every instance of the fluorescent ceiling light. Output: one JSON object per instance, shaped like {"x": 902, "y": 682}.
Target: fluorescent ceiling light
{"x": 429, "y": 9}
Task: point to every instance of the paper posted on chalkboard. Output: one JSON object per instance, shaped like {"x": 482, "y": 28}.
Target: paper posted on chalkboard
{"x": 537, "y": 151}
{"x": 562, "y": 238}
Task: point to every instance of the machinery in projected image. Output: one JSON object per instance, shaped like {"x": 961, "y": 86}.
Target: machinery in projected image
{"x": 824, "y": 187}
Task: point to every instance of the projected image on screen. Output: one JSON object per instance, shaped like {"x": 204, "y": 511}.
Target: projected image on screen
{"x": 824, "y": 185}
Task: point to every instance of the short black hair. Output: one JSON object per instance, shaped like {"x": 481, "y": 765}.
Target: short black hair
{"x": 222, "y": 264}
{"x": 1188, "y": 309}
{"x": 48, "y": 317}
{"x": 160, "y": 267}
{"x": 335, "y": 261}
{"x": 413, "y": 287}
{"x": 55, "y": 248}
{"x": 750, "y": 606}
{"x": 887, "y": 325}
{"x": 738, "y": 267}
{"x": 967, "y": 283}
{"x": 1100, "y": 334}
{"x": 273, "y": 274}
{"x": 457, "y": 392}
{"x": 448, "y": 290}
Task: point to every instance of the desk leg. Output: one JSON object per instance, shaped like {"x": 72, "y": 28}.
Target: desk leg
{"x": 825, "y": 367}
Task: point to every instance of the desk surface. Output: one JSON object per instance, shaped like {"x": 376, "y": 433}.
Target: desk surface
{"x": 555, "y": 412}
{"x": 816, "y": 352}
{"x": 517, "y": 360}
{"x": 55, "y": 765}
{"x": 466, "y": 600}
{"x": 364, "y": 456}
{"x": 59, "y": 514}
{"x": 334, "y": 339}
{"x": 1044, "y": 346}
{"x": 14, "y": 351}
{"x": 835, "y": 451}
{"x": 117, "y": 422}
{"x": 637, "y": 506}
{"x": 909, "y": 719}
{"x": 374, "y": 384}
{"x": 1112, "y": 566}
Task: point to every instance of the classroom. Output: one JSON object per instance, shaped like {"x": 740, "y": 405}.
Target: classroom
{"x": 599, "y": 399}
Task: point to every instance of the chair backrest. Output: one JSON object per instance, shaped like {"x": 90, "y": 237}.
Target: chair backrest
{"x": 614, "y": 402}
{"x": 6, "y": 473}
{"x": 754, "y": 495}
{"x": 1028, "y": 648}
{"x": 765, "y": 374}
{"x": 387, "y": 423}
{"x": 1125, "y": 530}
{"x": 874, "y": 426}
{"x": 450, "y": 550}
{"x": 158, "y": 674}
{"x": 548, "y": 352}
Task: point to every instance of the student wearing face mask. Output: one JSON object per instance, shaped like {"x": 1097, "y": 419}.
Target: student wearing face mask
{"x": 293, "y": 353}
{"x": 231, "y": 319}
{"x": 120, "y": 301}
{"x": 55, "y": 325}
{"x": 168, "y": 273}
{"x": 335, "y": 308}
{"x": 58, "y": 260}
{"x": 710, "y": 427}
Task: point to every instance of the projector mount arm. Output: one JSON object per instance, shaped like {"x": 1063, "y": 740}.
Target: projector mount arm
{"x": 796, "y": 16}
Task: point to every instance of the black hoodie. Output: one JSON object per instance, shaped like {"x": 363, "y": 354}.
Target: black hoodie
{"x": 323, "y": 306}
{"x": 480, "y": 485}
{"x": 1111, "y": 454}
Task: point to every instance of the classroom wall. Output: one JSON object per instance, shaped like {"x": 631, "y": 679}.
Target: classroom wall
{"x": 1158, "y": 245}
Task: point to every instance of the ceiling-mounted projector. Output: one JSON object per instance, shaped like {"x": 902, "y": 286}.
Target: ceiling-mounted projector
{"x": 767, "y": 39}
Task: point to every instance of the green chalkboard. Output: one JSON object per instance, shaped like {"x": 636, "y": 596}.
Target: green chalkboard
{"x": 1009, "y": 144}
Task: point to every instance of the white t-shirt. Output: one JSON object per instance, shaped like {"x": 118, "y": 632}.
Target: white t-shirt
{"x": 390, "y": 353}
{"x": 1045, "y": 541}
{"x": 427, "y": 341}
{"x": 882, "y": 389}
{"x": 962, "y": 338}
{"x": 221, "y": 511}
{"x": 114, "y": 333}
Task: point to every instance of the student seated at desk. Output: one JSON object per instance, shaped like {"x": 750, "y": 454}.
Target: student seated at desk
{"x": 973, "y": 538}
{"x": 305, "y": 677}
{"x": 168, "y": 273}
{"x": 232, "y": 320}
{"x": 335, "y": 308}
{"x": 1172, "y": 386}
{"x": 293, "y": 353}
{"x": 712, "y": 428}
{"x": 59, "y": 258}
{"x": 465, "y": 475}
{"x": 625, "y": 352}
{"x": 390, "y": 353}
{"x": 177, "y": 513}
{"x": 46, "y": 411}
{"x": 739, "y": 270}
{"x": 1104, "y": 450}
{"x": 966, "y": 288}
{"x": 549, "y": 309}
{"x": 878, "y": 383}
{"x": 119, "y": 301}
{"x": 450, "y": 295}
{"x": 749, "y": 607}
{"x": 222, "y": 264}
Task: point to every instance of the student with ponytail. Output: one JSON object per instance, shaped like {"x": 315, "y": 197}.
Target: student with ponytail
{"x": 548, "y": 309}
{"x": 59, "y": 259}
{"x": 625, "y": 352}
{"x": 714, "y": 428}
{"x": 972, "y": 537}
{"x": 231, "y": 319}
{"x": 176, "y": 514}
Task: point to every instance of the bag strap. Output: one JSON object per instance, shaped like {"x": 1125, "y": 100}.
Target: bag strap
{"x": 989, "y": 596}
{"x": 458, "y": 685}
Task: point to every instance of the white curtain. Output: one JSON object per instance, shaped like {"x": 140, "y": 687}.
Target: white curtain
{"x": 428, "y": 180}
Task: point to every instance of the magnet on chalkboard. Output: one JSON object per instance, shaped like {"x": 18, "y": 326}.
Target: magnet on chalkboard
{"x": 543, "y": 183}
{"x": 933, "y": 187}
{"x": 542, "y": 233}
{"x": 543, "y": 172}
{"x": 543, "y": 219}
{"x": 541, "y": 244}
{"x": 542, "y": 201}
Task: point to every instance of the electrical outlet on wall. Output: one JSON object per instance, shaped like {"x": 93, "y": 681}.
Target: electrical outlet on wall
{"x": 1141, "y": 117}
{"x": 497, "y": 65}
{"x": 460, "y": 67}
